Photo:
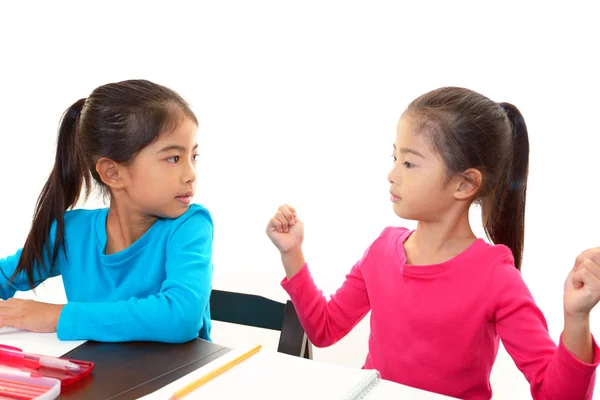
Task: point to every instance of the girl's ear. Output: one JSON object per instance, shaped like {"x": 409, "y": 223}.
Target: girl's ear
{"x": 110, "y": 172}
{"x": 469, "y": 184}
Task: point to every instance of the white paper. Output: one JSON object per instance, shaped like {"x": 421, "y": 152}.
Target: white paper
{"x": 270, "y": 375}
{"x": 38, "y": 343}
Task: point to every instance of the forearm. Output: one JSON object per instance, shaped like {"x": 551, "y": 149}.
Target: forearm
{"x": 293, "y": 261}
{"x": 8, "y": 266}
{"x": 577, "y": 338}
{"x": 161, "y": 318}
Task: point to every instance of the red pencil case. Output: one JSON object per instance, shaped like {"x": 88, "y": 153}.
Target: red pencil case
{"x": 20, "y": 386}
{"x": 14, "y": 358}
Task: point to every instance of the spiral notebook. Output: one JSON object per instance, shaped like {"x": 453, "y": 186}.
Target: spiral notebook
{"x": 271, "y": 375}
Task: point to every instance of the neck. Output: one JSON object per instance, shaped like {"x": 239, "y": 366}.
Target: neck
{"x": 124, "y": 226}
{"x": 438, "y": 241}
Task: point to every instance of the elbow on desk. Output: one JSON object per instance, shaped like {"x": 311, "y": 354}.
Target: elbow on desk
{"x": 182, "y": 330}
{"x": 182, "y": 336}
{"x": 185, "y": 324}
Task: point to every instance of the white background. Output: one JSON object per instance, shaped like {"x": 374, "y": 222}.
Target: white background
{"x": 297, "y": 103}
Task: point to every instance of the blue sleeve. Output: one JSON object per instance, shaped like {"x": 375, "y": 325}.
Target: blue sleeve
{"x": 173, "y": 315}
{"x": 8, "y": 266}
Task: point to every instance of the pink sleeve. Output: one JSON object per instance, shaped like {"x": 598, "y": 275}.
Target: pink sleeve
{"x": 326, "y": 322}
{"x": 553, "y": 372}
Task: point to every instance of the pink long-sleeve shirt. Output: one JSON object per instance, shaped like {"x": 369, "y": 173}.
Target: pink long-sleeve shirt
{"x": 437, "y": 327}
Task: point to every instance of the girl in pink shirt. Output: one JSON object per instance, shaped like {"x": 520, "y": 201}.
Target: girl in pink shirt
{"x": 440, "y": 298}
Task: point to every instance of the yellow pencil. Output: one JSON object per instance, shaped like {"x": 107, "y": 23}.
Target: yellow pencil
{"x": 201, "y": 381}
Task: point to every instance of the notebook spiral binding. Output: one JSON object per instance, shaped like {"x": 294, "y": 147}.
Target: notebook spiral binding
{"x": 362, "y": 388}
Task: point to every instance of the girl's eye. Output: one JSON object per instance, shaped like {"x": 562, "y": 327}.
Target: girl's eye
{"x": 195, "y": 157}
{"x": 408, "y": 165}
{"x": 174, "y": 159}
{"x": 394, "y": 158}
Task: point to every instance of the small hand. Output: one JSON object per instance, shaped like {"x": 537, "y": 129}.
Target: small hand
{"x": 30, "y": 315}
{"x": 285, "y": 230}
{"x": 582, "y": 287}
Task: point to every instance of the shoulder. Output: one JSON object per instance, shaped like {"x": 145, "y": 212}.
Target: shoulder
{"x": 497, "y": 260}
{"x": 490, "y": 264}
{"x": 82, "y": 216}
{"x": 80, "y": 222}
{"x": 390, "y": 237}
{"x": 387, "y": 243}
{"x": 490, "y": 255}
{"x": 393, "y": 233}
{"x": 196, "y": 217}
{"x": 507, "y": 290}
{"x": 196, "y": 223}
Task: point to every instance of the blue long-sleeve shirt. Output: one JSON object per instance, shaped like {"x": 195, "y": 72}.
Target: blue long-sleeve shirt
{"x": 157, "y": 289}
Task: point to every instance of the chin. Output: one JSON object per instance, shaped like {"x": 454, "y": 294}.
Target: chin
{"x": 179, "y": 213}
{"x": 403, "y": 213}
{"x": 172, "y": 214}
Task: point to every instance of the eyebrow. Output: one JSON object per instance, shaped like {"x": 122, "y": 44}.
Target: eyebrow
{"x": 405, "y": 150}
{"x": 175, "y": 147}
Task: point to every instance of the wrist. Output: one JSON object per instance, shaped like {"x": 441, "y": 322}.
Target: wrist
{"x": 577, "y": 320}
{"x": 293, "y": 261}
{"x": 57, "y": 311}
{"x": 292, "y": 253}
{"x": 577, "y": 337}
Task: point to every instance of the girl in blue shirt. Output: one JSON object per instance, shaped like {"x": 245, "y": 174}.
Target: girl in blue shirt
{"x": 140, "y": 269}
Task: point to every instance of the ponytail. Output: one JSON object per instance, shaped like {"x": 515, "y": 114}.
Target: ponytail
{"x": 504, "y": 210}
{"x": 61, "y": 192}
